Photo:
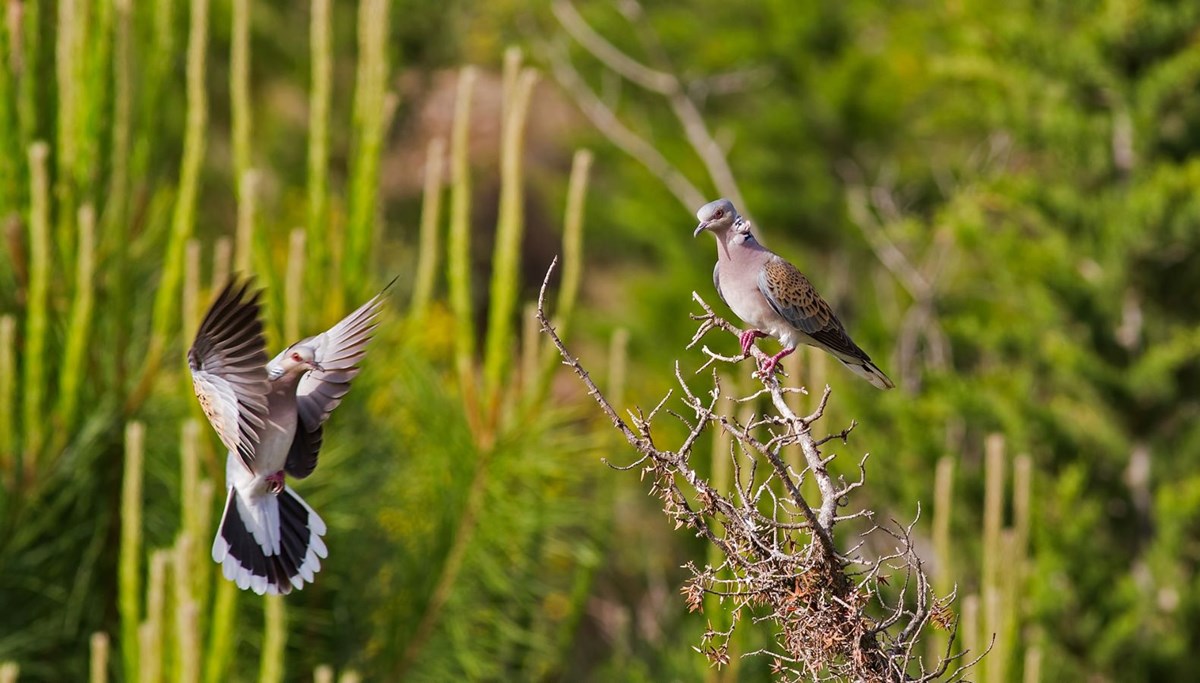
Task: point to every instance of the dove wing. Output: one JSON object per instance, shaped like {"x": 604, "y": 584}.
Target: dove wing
{"x": 338, "y": 351}
{"x": 796, "y": 300}
{"x": 228, "y": 363}
{"x": 717, "y": 281}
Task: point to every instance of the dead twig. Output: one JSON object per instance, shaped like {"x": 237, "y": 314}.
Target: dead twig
{"x": 834, "y": 615}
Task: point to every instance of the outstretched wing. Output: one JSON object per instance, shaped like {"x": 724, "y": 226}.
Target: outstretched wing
{"x": 337, "y": 350}
{"x": 228, "y": 363}
{"x": 793, "y": 297}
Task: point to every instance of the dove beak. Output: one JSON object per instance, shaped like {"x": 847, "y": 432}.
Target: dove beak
{"x": 700, "y": 228}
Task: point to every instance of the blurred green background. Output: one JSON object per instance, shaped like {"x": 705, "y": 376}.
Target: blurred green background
{"x": 999, "y": 198}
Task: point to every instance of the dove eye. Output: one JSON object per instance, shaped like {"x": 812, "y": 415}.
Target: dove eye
{"x": 719, "y": 213}
{"x": 296, "y": 356}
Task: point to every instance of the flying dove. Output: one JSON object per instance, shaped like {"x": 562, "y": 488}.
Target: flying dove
{"x": 270, "y": 415}
{"x": 774, "y": 298}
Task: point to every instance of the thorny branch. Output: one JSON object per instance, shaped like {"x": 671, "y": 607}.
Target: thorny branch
{"x": 836, "y": 615}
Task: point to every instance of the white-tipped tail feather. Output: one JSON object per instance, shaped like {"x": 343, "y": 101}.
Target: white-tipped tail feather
{"x": 269, "y": 543}
{"x": 868, "y": 371}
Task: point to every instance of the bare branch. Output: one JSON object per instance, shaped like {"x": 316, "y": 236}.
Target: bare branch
{"x": 833, "y": 616}
{"x": 657, "y": 81}
{"x": 607, "y": 122}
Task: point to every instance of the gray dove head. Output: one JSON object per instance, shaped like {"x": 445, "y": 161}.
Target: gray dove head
{"x": 717, "y": 216}
{"x": 297, "y": 358}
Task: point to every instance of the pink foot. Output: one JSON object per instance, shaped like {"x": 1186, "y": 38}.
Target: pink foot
{"x": 275, "y": 482}
{"x": 747, "y": 339}
{"x": 768, "y": 366}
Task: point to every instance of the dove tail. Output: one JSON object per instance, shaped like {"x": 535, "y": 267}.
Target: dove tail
{"x": 269, "y": 543}
{"x": 868, "y": 371}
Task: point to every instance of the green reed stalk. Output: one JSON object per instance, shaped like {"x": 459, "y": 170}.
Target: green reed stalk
{"x": 969, "y": 626}
{"x": 37, "y": 306}
{"x": 189, "y": 478}
{"x": 99, "y": 645}
{"x": 1033, "y": 665}
{"x": 72, "y": 24}
{"x": 572, "y": 266}
{"x": 68, "y": 39}
{"x": 239, "y": 87}
{"x": 429, "y": 250}
{"x": 202, "y": 566}
{"x": 149, "y": 671}
{"x": 369, "y": 95}
{"x": 321, "y": 40}
{"x": 79, "y": 330}
{"x": 122, "y": 75}
{"x": 8, "y": 390}
{"x": 129, "y": 567}
{"x": 506, "y": 257}
{"x": 222, "y": 258}
{"x": 247, "y": 206}
{"x": 187, "y": 614}
{"x": 154, "y": 641}
{"x": 274, "y": 639}
{"x": 9, "y": 672}
{"x": 184, "y": 216}
{"x": 190, "y": 306}
{"x": 10, "y": 132}
{"x": 221, "y": 631}
{"x": 1022, "y": 499}
{"x": 993, "y": 505}
{"x": 572, "y": 262}
{"x": 113, "y": 235}
{"x": 531, "y": 351}
{"x": 95, "y": 93}
{"x": 350, "y": 676}
{"x": 293, "y": 287}
{"x": 993, "y": 519}
{"x": 29, "y": 107}
{"x": 458, "y": 249}
{"x": 943, "y": 509}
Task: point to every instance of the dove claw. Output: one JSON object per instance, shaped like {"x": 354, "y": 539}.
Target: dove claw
{"x": 747, "y": 340}
{"x": 275, "y": 482}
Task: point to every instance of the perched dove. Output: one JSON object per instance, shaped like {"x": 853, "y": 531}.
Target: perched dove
{"x": 775, "y": 298}
{"x": 270, "y": 417}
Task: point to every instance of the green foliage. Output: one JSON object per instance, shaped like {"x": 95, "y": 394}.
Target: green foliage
{"x": 1035, "y": 162}
{"x": 1040, "y": 154}
{"x": 449, "y": 510}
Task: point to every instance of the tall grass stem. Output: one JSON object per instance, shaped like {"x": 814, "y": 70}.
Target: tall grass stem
{"x": 129, "y": 567}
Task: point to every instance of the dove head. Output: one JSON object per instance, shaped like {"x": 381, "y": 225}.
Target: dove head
{"x": 717, "y": 217}
{"x": 294, "y": 360}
